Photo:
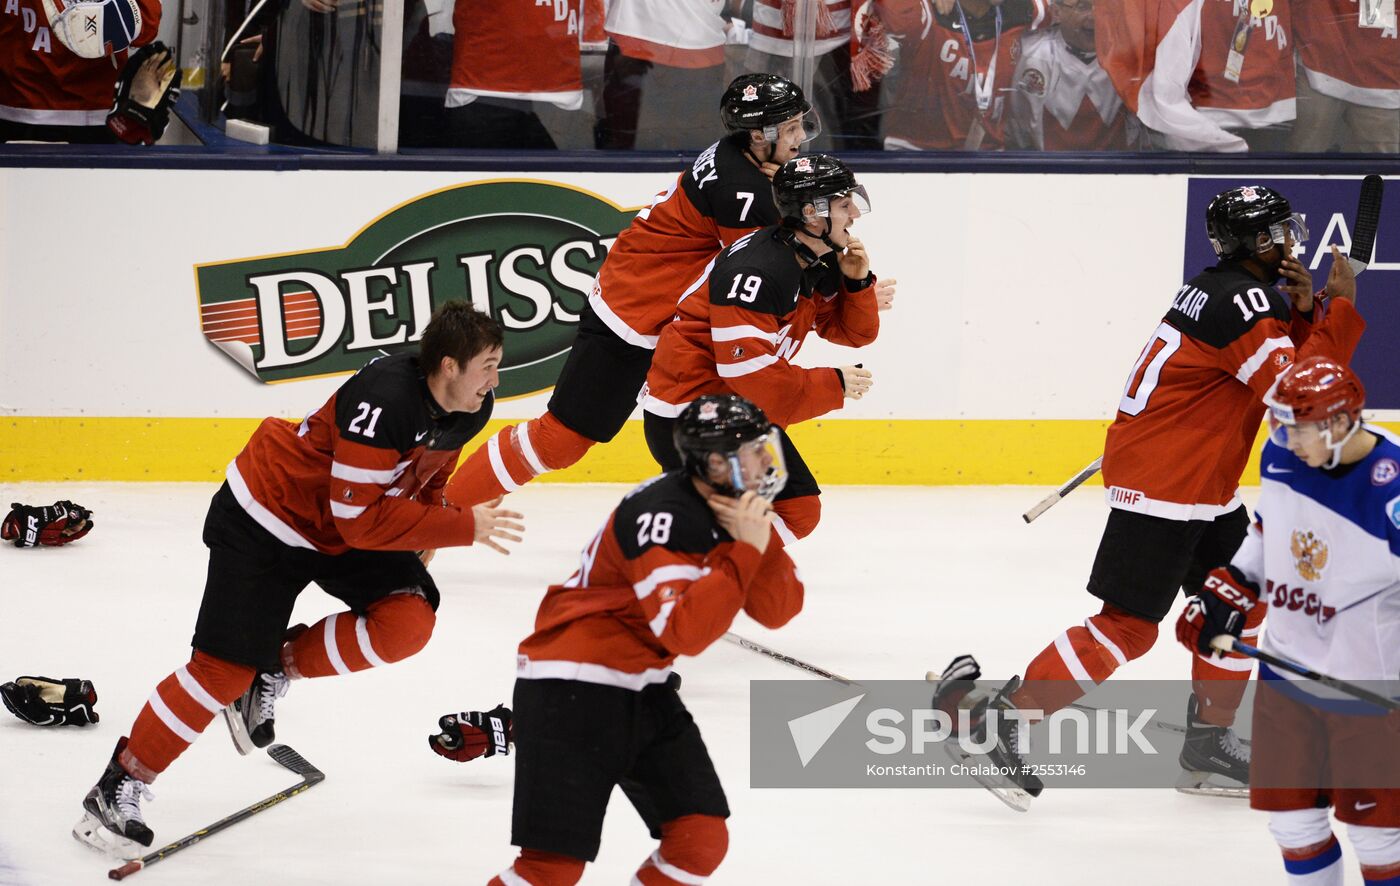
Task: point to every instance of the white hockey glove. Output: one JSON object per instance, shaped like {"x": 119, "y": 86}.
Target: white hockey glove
{"x": 94, "y": 28}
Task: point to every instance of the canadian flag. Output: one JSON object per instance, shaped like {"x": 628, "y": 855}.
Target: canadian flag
{"x": 1168, "y": 60}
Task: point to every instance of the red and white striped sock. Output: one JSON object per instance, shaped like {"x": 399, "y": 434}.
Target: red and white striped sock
{"x": 513, "y": 457}
{"x": 179, "y": 710}
{"x": 1083, "y": 657}
{"x": 391, "y": 629}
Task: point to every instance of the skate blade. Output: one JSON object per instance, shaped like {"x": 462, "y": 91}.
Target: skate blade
{"x": 1006, "y": 791}
{"x": 238, "y": 731}
{"x": 92, "y": 833}
{"x": 1208, "y": 784}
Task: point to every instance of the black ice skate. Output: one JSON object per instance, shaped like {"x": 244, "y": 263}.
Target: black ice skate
{"x": 112, "y": 821}
{"x": 250, "y": 718}
{"x": 1212, "y": 753}
{"x": 1012, "y": 782}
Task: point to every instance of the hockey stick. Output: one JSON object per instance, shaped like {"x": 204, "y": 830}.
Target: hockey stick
{"x": 1368, "y": 217}
{"x": 1071, "y": 484}
{"x": 786, "y": 659}
{"x": 1227, "y": 643}
{"x": 285, "y": 757}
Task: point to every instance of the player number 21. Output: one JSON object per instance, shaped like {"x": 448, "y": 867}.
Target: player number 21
{"x": 750, "y": 285}
{"x": 366, "y": 411}
{"x": 654, "y": 528}
{"x": 1142, "y": 381}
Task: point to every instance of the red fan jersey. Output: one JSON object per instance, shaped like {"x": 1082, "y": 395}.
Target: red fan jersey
{"x": 774, "y": 25}
{"x": 528, "y": 49}
{"x": 1344, "y": 60}
{"x": 1172, "y": 63}
{"x": 661, "y": 578}
{"x": 663, "y": 254}
{"x": 1064, "y": 102}
{"x": 366, "y": 470}
{"x": 740, "y": 332}
{"x": 42, "y": 82}
{"x": 1194, "y": 399}
{"x": 950, "y": 80}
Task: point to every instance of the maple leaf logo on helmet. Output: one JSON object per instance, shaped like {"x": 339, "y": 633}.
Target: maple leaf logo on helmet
{"x": 802, "y": 164}
{"x": 750, "y": 94}
{"x": 709, "y": 411}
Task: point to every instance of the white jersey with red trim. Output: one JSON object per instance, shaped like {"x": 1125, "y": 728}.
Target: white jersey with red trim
{"x": 1193, "y": 402}
{"x": 1062, "y": 101}
{"x": 365, "y": 471}
{"x": 1344, "y": 60}
{"x": 527, "y": 52}
{"x": 43, "y": 82}
{"x": 1325, "y": 554}
{"x": 678, "y": 33}
{"x": 773, "y": 26}
{"x": 661, "y": 578}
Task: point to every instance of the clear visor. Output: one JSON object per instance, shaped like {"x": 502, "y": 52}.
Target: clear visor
{"x": 860, "y": 200}
{"x": 1290, "y": 232}
{"x": 800, "y": 129}
{"x": 758, "y": 465}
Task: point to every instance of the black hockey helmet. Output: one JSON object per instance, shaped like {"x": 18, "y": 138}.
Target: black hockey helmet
{"x": 763, "y": 102}
{"x": 724, "y": 424}
{"x": 1249, "y": 219}
{"x": 814, "y": 179}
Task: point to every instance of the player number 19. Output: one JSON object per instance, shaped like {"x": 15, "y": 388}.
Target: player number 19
{"x": 750, "y": 284}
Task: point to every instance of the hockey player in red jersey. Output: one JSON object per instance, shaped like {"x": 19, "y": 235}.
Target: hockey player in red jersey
{"x": 744, "y": 323}
{"x": 724, "y": 195}
{"x": 350, "y": 498}
{"x": 596, "y": 703}
{"x": 1173, "y": 457}
{"x": 1348, "y": 79}
{"x": 1321, "y": 556}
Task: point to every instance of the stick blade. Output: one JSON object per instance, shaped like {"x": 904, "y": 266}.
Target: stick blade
{"x": 1368, "y": 217}
{"x": 287, "y": 758}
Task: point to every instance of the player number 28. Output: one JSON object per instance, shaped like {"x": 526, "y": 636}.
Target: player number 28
{"x": 655, "y": 528}
{"x": 1142, "y": 381}
{"x": 750, "y": 284}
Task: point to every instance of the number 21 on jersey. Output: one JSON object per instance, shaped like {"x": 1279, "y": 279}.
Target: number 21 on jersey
{"x": 1147, "y": 371}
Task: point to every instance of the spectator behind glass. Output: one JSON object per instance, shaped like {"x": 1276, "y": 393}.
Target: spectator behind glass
{"x": 951, "y": 92}
{"x": 666, "y": 58}
{"x": 1062, "y": 99}
{"x": 504, "y": 61}
{"x": 850, "y": 119}
{"x": 1349, "y": 85}
{"x": 1205, "y": 75}
{"x": 48, "y": 92}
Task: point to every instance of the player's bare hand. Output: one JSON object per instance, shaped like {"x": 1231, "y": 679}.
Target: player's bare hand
{"x": 748, "y": 518}
{"x": 319, "y": 5}
{"x": 494, "y": 522}
{"x": 427, "y": 556}
{"x": 854, "y": 262}
{"x": 769, "y": 169}
{"x": 153, "y": 78}
{"x": 884, "y": 294}
{"x": 1341, "y": 279}
{"x": 1299, "y": 283}
{"x": 856, "y": 381}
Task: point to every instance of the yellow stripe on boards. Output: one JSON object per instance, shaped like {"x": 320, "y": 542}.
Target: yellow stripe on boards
{"x": 894, "y": 452}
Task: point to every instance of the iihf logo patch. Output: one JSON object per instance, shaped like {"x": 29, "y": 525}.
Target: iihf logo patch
{"x": 1384, "y": 471}
{"x": 1033, "y": 82}
{"x": 1392, "y": 510}
{"x": 750, "y": 94}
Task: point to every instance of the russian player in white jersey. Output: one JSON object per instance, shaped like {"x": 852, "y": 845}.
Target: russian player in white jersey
{"x": 1324, "y": 556}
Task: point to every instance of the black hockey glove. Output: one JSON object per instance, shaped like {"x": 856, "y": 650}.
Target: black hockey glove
{"x": 473, "y": 734}
{"x": 148, "y": 86}
{"x": 45, "y": 701}
{"x": 58, "y": 524}
{"x": 1222, "y": 607}
{"x": 954, "y": 684}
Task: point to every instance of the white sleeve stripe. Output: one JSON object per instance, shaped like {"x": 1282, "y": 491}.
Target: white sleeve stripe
{"x": 522, "y": 433}
{"x": 662, "y": 574}
{"x": 785, "y": 534}
{"x": 196, "y": 691}
{"x": 1229, "y": 663}
{"x": 1071, "y": 660}
{"x": 658, "y": 624}
{"x": 342, "y": 471}
{"x": 172, "y": 722}
{"x": 1107, "y": 643}
{"x": 333, "y": 651}
{"x": 511, "y": 878}
{"x": 1251, "y": 366}
{"x": 735, "y": 370}
{"x": 680, "y": 875}
{"x": 498, "y": 465}
{"x": 366, "y": 648}
{"x": 734, "y": 333}
{"x": 344, "y": 511}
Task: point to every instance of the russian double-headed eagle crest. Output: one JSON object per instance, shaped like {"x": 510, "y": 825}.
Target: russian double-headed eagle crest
{"x": 1309, "y": 555}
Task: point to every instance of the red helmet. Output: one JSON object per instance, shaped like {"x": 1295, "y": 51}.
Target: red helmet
{"x": 1314, "y": 390}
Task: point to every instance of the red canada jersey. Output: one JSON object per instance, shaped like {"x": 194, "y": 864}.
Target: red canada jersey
{"x": 529, "y": 50}
{"x": 1344, "y": 60}
{"x": 365, "y": 471}
{"x": 774, "y": 23}
{"x": 1194, "y": 399}
{"x": 662, "y": 255}
{"x": 739, "y": 333}
{"x": 43, "y": 82}
{"x": 936, "y": 100}
{"x": 661, "y": 578}
{"x": 1062, "y": 101}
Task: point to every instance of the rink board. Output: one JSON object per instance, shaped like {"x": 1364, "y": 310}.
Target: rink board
{"x": 1023, "y": 301}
